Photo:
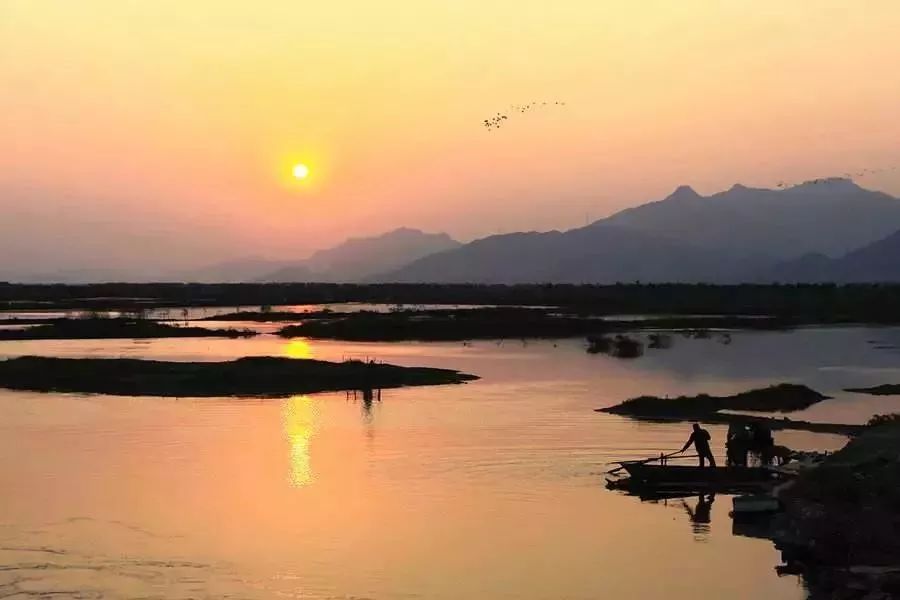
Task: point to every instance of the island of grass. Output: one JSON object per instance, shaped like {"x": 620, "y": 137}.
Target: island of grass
{"x": 101, "y": 328}
{"x": 497, "y": 323}
{"x": 249, "y": 377}
{"x": 886, "y": 389}
{"x": 784, "y": 397}
{"x": 445, "y": 325}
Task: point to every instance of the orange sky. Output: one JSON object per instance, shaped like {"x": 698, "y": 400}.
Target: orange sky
{"x": 173, "y": 125}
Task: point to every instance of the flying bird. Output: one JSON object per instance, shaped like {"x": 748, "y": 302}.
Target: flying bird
{"x": 497, "y": 120}
{"x": 864, "y": 172}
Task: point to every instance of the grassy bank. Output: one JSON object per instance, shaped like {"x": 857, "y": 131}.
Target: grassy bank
{"x": 886, "y": 389}
{"x": 252, "y": 376}
{"x": 709, "y": 409}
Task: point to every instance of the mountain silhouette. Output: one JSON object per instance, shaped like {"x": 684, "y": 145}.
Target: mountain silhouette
{"x": 359, "y": 258}
{"x": 598, "y": 253}
{"x": 826, "y": 216}
{"x": 876, "y": 262}
{"x": 740, "y": 235}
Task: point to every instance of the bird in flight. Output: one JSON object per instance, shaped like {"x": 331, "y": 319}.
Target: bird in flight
{"x": 498, "y": 120}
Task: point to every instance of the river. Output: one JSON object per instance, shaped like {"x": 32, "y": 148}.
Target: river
{"x": 492, "y": 489}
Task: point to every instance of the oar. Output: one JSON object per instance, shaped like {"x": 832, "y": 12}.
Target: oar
{"x": 641, "y": 462}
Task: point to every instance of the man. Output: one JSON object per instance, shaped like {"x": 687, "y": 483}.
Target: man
{"x": 700, "y": 439}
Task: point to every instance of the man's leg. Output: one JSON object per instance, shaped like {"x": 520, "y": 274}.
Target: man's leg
{"x": 702, "y": 459}
{"x": 712, "y": 460}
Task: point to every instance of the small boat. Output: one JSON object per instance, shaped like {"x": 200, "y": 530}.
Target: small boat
{"x": 691, "y": 477}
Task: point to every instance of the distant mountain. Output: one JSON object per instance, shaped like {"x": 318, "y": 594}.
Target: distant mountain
{"x": 598, "y": 253}
{"x": 876, "y": 262}
{"x": 825, "y": 216}
{"x": 357, "y": 259}
{"x": 740, "y": 235}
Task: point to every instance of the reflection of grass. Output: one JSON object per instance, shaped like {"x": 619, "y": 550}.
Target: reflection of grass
{"x": 300, "y": 417}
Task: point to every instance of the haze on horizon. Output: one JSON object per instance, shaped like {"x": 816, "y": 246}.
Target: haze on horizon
{"x": 155, "y": 135}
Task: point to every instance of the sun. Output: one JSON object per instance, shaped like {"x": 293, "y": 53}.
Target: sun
{"x": 300, "y": 171}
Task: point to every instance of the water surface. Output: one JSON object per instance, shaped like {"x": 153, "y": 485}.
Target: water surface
{"x": 487, "y": 490}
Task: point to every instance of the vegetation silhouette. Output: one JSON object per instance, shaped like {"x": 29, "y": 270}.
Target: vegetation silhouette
{"x": 805, "y": 304}
{"x": 99, "y": 328}
{"x": 251, "y": 376}
{"x": 784, "y": 397}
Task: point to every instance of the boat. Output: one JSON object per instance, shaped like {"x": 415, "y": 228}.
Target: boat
{"x": 692, "y": 477}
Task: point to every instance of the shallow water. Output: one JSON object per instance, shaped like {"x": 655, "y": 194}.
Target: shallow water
{"x": 203, "y": 312}
{"x": 487, "y": 490}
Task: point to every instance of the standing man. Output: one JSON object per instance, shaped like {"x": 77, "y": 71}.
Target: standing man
{"x": 700, "y": 439}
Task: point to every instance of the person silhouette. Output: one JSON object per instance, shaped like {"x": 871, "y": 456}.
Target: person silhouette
{"x": 700, "y": 440}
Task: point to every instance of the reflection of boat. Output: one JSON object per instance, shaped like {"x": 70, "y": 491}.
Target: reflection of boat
{"x": 755, "y": 525}
{"x": 691, "y": 477}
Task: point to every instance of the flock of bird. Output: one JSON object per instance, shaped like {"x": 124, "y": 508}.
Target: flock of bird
{"x": 497, "y": 120}
{"x": 848, "y": 175}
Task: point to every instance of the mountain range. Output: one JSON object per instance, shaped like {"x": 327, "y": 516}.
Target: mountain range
{"x": 876, "y": 262}
{"x": 826, "y": 230}
{"x": 358, "y": 259}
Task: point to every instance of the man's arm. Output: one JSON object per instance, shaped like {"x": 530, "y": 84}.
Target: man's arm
{"x": 688, "y": 443}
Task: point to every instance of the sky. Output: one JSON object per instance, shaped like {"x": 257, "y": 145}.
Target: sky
{"x": 161, "y": 134}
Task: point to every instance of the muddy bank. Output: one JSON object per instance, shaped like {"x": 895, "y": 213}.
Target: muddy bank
{"x": 251, "y": 376}
{"x": 784, "y": 397}
{"x": 68, "y": 329}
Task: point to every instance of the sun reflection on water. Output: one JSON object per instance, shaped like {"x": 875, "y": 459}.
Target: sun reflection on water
{"x": 300, "y": 416}
{"x": 298, "y": 349}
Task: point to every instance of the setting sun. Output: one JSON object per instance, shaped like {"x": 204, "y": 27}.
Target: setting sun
{"x": 301, "y": 171}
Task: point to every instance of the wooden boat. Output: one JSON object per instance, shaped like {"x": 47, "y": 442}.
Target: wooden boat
{"x": 691, "y": 477}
